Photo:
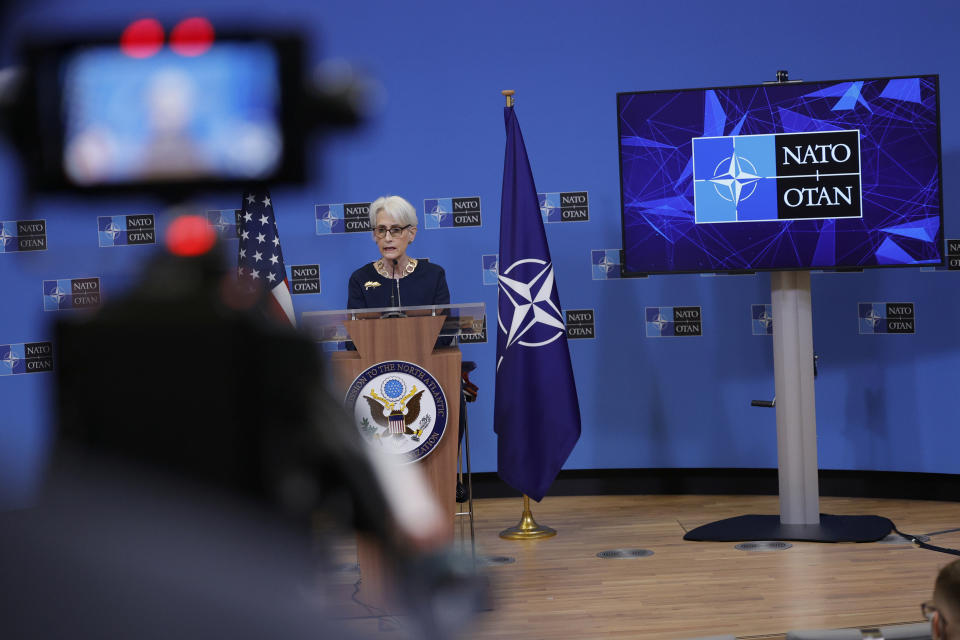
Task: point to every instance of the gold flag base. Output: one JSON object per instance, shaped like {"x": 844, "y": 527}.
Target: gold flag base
{"x": 527, "y": 529}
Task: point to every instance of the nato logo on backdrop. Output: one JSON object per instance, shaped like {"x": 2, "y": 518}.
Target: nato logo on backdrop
{"x": 669, "y": 322}
{"x": 490, "y": 263}
{"x": 74, "y": 293}
{"x": 784, "y": 176}
{"x": 226, "y": 222}
{"x": 952, "y": 259}
{"x": 886, "y": 317}
{"x": 564, "y": 206}
{"x": 304, "y": 278}
{"x": 25, "y": 357}
{"x": 116, "y": 231}
{"x": 352, "y": 217}
{"x": 580, "y": 324}
{"x": 450, "y": 213}
{"x": 475, "y": 334}
{"x": 605, "y": 263}
{"x": 23, "y": 235}
{"x": 761, "y": 318}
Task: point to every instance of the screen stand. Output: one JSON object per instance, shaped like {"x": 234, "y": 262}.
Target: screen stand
{"x": 800, "y": 517}
{"x": 796, "y": 405}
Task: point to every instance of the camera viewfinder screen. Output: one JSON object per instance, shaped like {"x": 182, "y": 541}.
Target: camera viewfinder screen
{"x": 170, "y": 117}
{"x": 782, "y": 176}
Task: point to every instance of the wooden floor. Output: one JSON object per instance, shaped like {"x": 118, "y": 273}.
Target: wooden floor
{"x": 559, "y": 588}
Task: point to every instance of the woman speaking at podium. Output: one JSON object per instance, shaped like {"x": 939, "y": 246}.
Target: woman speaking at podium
{"x": 396, "y": 279}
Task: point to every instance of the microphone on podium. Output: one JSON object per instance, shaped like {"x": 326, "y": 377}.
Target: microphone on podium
{"x": 397, "y": 280}
{"x": 393, "y": 274}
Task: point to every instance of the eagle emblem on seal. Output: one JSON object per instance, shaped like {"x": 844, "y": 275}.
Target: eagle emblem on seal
{"x": 399, "y": 408}
{"x": 395, "y": 408}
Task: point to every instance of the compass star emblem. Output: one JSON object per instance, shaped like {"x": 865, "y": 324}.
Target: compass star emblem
{"x": 5, "y": 236}
{"x": 58, "y": 294}
{"x": 113, "y": 230}
{"x": 607, "y": 264}
{"x": 10, "y": 360}
{"x": 328, "y": 218}
{"x": 735, "y": 178}
{"x": 873, "y": 318}
{"x": 659, "y": 321}
{"x": 765, "y": 319}
{"x": 220, "y": 224}
{"x": 532, "y": 303}
{"x": 438, "y": 214}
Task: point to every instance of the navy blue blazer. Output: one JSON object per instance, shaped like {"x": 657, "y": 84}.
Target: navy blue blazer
{"x": 426, "y": 285}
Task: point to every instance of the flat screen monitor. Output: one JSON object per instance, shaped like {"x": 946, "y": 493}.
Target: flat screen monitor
{"x": 795, "y": 175}
{"x": 170, "y": 116}
{"x": 106, "y": 119}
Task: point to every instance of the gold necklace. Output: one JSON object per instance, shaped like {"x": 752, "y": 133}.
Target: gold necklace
{"x": 407, "y": 270}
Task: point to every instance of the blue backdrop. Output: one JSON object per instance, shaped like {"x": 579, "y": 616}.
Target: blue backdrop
{"x": 883, "y": 401}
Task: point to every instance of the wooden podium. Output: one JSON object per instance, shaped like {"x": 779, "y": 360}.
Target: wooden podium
{"x": 409, "y": 339}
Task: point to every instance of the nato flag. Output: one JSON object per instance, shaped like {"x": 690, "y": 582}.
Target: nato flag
{"x": 536, "y": 412}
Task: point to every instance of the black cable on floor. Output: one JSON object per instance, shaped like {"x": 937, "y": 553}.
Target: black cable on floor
{"x": 924, "y": 545}
{"x": 375, "y": 612}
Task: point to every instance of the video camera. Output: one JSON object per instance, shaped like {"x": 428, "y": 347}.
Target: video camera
{"x": 150, "y": 113}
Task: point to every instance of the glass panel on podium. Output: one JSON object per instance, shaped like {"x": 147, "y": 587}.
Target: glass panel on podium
{"x": 460, "y": 321}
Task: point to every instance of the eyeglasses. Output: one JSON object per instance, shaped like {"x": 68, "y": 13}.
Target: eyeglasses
{"x": 395, "y": 232}
{"x": 928, "y": 609}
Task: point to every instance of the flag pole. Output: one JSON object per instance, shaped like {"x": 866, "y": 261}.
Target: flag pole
{"x": 527, "y": 528}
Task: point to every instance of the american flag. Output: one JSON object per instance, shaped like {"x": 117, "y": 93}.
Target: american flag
{"x": 261, "y": 260}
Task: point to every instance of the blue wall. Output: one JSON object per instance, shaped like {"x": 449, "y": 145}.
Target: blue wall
{"x": 884, "y": 402}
